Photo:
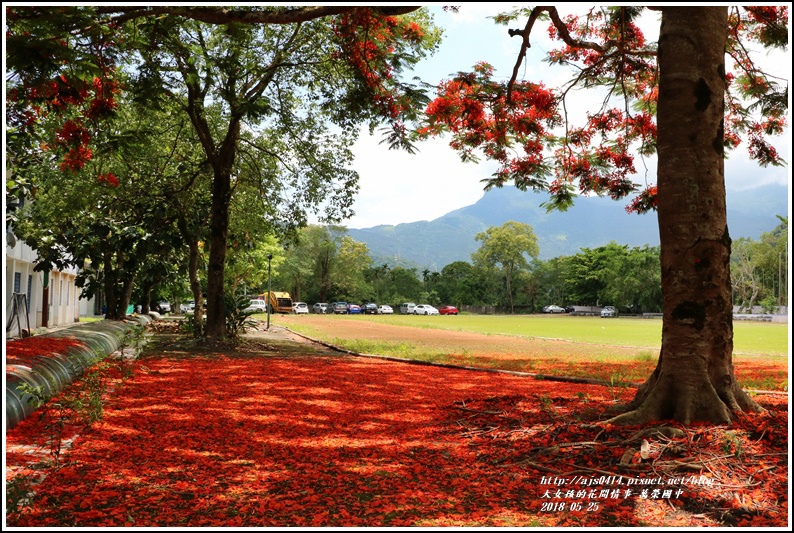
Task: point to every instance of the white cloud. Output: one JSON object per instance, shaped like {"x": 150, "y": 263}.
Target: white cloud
{"x": 398, "y": 187}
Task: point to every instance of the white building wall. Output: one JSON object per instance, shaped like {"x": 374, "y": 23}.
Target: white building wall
{"x": 63, "y": 302}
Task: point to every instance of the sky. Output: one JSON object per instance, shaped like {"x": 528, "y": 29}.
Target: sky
{"x": 397, "y": 187}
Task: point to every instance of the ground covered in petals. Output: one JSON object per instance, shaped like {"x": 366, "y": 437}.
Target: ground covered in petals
{"x": 275, "y": 436}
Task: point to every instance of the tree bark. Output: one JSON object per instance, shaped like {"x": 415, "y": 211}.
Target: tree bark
{"x": 109, "y": 280}
{"x": 219, "y": 231}
{"x": 222, "y": 164}
{"x": 694, "y": 379}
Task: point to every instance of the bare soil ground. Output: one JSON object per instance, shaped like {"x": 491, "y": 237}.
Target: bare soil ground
{"x": 454, "y": 341}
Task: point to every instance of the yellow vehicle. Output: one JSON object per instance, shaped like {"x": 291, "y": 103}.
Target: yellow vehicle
{"x": 280, "y": 302}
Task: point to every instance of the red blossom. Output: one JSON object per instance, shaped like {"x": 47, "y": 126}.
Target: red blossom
{"x": 218, "y": 441}
{"x": 31, "y": 348}
{"x": 108, "y": 178}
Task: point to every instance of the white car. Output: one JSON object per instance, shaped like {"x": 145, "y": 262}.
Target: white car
{"x": 424, "y": 309}
{"x": 300, "y": 308}
{"x": 553, "y": 309}
{"x": 257, "y": 306}
{"x": 188, "y": 307}
{"x": 385, "y": 310}
{"x": 609, "y": 312}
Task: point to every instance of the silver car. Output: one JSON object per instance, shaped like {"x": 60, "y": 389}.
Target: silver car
{"x": 609, "y": 312}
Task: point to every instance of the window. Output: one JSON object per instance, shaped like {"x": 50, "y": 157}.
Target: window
{"x": 17, "y": 282}
{"x": 30, "y": 288}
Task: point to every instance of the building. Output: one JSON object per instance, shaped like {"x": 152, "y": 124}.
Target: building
{"x": 53, "y": 298}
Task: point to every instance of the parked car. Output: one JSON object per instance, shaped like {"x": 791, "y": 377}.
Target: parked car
{"x": 340, "y": 308}
{"x": 553, "y": 309}
{"x": 609, "y": 312}
{"x": 448, "y": 310}
{"x": 385, "y": 310}
{"x": 320, "y": 308}
{"x": 353, "y": 309}
{"x": 424, "y": 309}
{"x": 369, "y": 309}
{"x": 407, "y": 308}
{"x": 300, "y": 308}
{"x": 569, "y": 309}
{"x": 163, "y": 307}
{"x": 187, "y": 307}
{"x": 257, "y": 306}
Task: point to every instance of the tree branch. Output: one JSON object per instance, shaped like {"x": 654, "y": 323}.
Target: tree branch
{"x": 223, "y": 15}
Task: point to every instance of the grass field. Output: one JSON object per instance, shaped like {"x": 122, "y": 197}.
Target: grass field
{"x": 759, "y": 338}
{"x": 623, "y": 349}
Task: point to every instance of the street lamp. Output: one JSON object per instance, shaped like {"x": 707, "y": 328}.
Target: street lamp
{"x": 269, "y": 257}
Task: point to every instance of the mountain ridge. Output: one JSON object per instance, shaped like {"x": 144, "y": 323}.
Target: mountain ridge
{"x": 591, "y": 222}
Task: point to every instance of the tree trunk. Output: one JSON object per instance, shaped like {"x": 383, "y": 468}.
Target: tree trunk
{"x": 147, "y": 298}
{"x": 192, "y": 272}
{"x": 219, "y": 232}
{"x": 126, "y": 293}
{"x": 109, "y": 280}
{"x": 694, "y": 378}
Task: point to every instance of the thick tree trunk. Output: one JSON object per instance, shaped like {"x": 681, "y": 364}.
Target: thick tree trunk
{"x": 694, "y": 378}
{"x": 219, "y": 231}
{"x": 147, "y": 297}
{"x": 126, "y": 293}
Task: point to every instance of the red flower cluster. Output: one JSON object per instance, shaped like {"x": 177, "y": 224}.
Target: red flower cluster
{"x": 108, "y": 178}
{"x": 66, "y": 96}
{"x": 76, "y": 159}
{"x": 370, "y": 43}
{"x": 29, "y": 349}
{"x": 644, "y": 202}
{"x": 329, "y": 441}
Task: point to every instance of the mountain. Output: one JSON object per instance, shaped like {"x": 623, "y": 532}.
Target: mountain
{"x": 590, "y": 223}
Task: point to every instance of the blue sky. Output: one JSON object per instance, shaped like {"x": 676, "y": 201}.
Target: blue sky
{"x": 397, "y": 187}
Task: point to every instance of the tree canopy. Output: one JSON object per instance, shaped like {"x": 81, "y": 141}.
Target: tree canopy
{"x": 273, "y": 94}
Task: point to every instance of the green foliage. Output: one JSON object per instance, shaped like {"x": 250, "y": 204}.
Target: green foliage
{"x": 732, "y": 444}
{"x": 238, "y": 320}
{"x": 759, "y": 270}
{"x": 618, "y": 384}
{"x": 507, "y": 246}
{"x": 19, "y": 493}
{"x": 614, "y": 274}
{"x": 547, "y": 405}
{"x": 86, "y": 398}
{"x": 645, "y": 356}
{"x": 54, "y": 415}
{"x": 132, "y": 344}
{"x": 348, "y": 274}
{"x": 188, "y": 326}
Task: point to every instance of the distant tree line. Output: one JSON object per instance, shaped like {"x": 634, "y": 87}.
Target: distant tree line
{"x": 327, "y": 265}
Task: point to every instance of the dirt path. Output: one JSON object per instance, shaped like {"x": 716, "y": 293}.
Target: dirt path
{"x": 460, "y": 342}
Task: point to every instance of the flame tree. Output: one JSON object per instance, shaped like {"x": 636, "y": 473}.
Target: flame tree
{"x": 676, "y": 100}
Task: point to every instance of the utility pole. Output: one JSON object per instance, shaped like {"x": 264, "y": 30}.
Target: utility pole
{"x": 269, "y": 257}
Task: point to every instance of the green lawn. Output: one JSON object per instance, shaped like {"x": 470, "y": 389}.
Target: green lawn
{"x": 761, "y": 338}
